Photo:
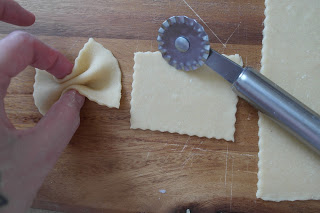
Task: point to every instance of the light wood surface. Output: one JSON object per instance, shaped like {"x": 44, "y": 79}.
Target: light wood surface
{"x": 108, "y": 167}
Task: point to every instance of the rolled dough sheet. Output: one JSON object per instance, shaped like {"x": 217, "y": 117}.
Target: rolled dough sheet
{"x": 197, "y": 103}
{"x": 96, "y": 75}
{"x": 291, "y": 58}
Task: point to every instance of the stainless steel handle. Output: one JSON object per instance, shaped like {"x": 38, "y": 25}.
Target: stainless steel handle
{"x": 286, "y": 110}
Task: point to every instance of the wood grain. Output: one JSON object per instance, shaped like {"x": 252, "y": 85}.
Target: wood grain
{"x": 140, "y": 19}
{"x": 108, "y": 167}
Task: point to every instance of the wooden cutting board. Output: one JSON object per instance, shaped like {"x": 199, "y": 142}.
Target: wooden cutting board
{"x": 108, "y": 167}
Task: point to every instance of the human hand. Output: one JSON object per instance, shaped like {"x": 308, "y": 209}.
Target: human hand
{"x": 27, "y": 156}
{"x": 11, "y": 12}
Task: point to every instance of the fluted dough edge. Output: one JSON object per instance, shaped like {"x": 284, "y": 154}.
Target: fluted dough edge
{"x": 96, "y": 75}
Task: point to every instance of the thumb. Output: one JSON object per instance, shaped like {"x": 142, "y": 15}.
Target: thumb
{"x": 57, "y": 127}
{"x": 34, "y": 152}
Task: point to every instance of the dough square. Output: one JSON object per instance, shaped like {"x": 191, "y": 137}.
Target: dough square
{"x": 197, "y": 103}
{"x": 288, "y": 170}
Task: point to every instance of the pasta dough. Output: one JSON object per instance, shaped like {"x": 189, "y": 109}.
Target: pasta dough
{"x": 288, "y": 170}
{"x": 96, "y": 75}
{"x": 198, "y": 102}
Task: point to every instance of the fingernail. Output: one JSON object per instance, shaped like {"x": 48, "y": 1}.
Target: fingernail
{"x": 62, "y": 68}
{"x": 79, "y": 98}
{"x": 75, "y": 99}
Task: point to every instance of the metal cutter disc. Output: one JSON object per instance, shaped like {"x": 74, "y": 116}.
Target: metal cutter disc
{"x": 183, "y": 43}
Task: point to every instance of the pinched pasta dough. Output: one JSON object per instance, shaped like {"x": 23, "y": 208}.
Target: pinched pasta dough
{"x": 96, "y": 75}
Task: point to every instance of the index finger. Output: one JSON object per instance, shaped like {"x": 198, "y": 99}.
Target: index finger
{"x": 11, "y": 12}
{"x": 20, "y": 49}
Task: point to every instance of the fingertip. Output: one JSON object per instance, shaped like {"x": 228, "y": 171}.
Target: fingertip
{"x": 31, "y": 52}
{"x": 11, "y": 12}
{"x": 61, "y": 67}
{"x": 30, "y": 20}
{"x": 54, "y": 62}
{"x": 73, "y": 98}
{"x": 80, "y": 98}
{"x": 63, "y": 118}
{"x": 27, "y": 19}
{"x": 69, "y": 104}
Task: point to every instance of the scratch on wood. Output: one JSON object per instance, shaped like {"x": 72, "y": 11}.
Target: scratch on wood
{"x": 225, "y": 44}
{"x": 225, "y": 174}
{"x": 231, "y": 187}
{"x": 137, "y": 45}
{"x": 204, "y": 23}
{"x": 249, "y": 155}
{"x": 204, "y": 150}
{"x": 198, "y": 148}
{"x": 186, "y": 161}
{"x": 185, "y": 145}
{"x": 195, "y": 154}
{"x": 176, "y": 145}
{"x": 147, "y": 156}
{"x": 249, "y": 172}
{"x": 232, "y": 153}
{"x": 191, "y": 155}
